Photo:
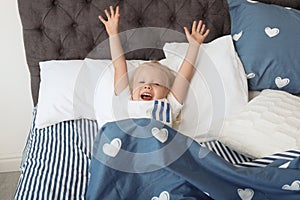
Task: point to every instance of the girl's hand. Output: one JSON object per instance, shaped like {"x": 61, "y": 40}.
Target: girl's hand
{"x": 198, "y": 34}
{"x": 112, "y": 22}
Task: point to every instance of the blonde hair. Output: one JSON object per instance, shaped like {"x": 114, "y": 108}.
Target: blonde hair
{"x": 170, "y": 75}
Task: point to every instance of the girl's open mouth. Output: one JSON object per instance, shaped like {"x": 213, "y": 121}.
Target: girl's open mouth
{"x": 146, "y": 96}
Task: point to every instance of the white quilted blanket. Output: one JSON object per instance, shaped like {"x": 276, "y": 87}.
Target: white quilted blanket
{"x": 268, "y": 124}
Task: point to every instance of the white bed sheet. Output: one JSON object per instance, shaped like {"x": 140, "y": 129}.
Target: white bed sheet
{"x": 268, "y": 124}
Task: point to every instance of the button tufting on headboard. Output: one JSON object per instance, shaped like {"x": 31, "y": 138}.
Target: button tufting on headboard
{"x": 70, "y": 29}
{"x": 140, "y": 21}
{"x": 74, "y": 24}
{"x": 41, "y": 28}
{"x": 55, "y": 2}
{"x": 60, "y": 51}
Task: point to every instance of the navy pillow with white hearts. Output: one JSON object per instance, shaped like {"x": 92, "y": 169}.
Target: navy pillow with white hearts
{"x": 267, "y": 39}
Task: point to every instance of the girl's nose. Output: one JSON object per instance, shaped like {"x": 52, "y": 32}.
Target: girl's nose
{"x": 147, "y": 86}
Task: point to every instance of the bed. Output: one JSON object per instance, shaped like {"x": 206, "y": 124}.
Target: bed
{"x": 225, "y": 147}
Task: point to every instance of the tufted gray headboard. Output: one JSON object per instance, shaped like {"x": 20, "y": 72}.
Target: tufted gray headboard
{"x": 70, "y": 29}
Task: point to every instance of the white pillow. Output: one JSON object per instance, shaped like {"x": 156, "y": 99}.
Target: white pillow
{"x": 217, "y": 90}
{"x": 68, "y": 90}
{"x": 56, "y": 93}
{"x": 268, "y": 124}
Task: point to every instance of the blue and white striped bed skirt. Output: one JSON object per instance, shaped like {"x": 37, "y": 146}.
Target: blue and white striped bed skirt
{"x": 56, "y": 160}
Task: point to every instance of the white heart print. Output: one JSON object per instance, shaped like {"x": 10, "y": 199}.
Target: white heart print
{"x": 163, "y": 196}
{"x": 245, "y": 194}
{"x": 295, "y": 186}
{"x": 250, "y": 1}
{"x": 160, "y": 134}
{"x": 250, "y": 75}
{"x": 271, "y": 32}
{"x": 112, "y": 149}
{"x": 281, "y": 82}
{"x": 237, "y": 36}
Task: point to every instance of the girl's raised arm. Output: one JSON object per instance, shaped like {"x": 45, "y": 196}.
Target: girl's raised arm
{"x": 116, "y": 50}
{"x": 186, "y": 71}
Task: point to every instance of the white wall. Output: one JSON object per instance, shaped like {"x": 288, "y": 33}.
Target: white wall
{"x": 16, "y": 104}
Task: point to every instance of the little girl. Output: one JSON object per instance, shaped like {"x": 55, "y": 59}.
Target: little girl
{"x": 155, "y": 92}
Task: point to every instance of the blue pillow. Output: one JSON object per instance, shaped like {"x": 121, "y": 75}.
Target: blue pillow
{"x": 267, "y": 40}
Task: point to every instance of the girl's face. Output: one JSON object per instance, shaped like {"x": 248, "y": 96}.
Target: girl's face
{"x": 149, "y": 84}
